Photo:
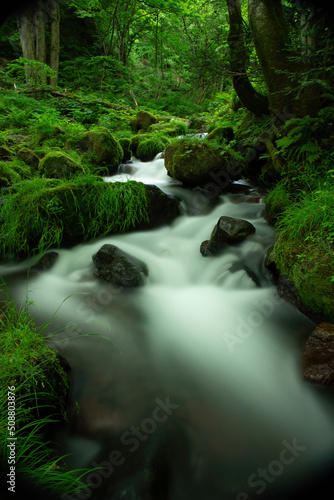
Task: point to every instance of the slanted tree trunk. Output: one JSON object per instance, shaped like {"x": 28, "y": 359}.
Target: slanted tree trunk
{"x": 250, "y": 98}
{"x": 55, "y": 41}
{"x": 271, "y": 39}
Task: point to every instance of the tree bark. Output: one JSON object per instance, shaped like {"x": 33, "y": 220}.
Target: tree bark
{"x": 55, "y": 41}
{"x": 25, "y": 24}
{"x": 271, "y": 39}
{"x": 250, "y": 98}
{"x": 40, "y": 43}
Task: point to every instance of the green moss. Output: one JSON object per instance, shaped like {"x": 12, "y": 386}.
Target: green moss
{"x": 135, "y": 140}
{"x": 304, "y": 251}
{"x": 59, "y": 165}
{"x": 48, "y": 213}
{"x": 11, "y": 172}
{"x": 149, "y": 148}
{"x": 194, "y": 161}
{"x": 101, "y": 147}
{"x": 142, "y": 121}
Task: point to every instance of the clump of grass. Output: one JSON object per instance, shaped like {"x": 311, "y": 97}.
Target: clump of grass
{"x": 32, "y": 372}
{"x": 304, "y": 251}
{"x": 277, "y": 201}
{"x": 44, "y": 213}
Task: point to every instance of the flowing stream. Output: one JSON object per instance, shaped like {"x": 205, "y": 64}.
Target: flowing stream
{"x": 193, "y": 386}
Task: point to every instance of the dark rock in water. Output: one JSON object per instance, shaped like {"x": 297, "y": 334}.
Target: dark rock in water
{"x": 118, "y": 267}
{"x": 227, "y": 231}
{"x": 162, "y": 209}
{"x": 208, "y": 248}
{"x": 318, "y": 362}
{"x": 47, "y": 261}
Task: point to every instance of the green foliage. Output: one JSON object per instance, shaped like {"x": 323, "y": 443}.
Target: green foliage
{"x": 48, "y": 213}
{"x": 149, "y": 148}
{"x": 14, "y": 171}
{"x": 38, "y": 72}
{"x": 41, "y": 389}
{"x": 278, "y": 200}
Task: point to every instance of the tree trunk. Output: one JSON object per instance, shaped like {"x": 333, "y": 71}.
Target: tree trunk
{"x": 55, "y": 41}
{"x": 40, "y": 44}
{"x": 26, "y": 27}
{"x": 271, "y": 39}
{"x": 250, "y": 98}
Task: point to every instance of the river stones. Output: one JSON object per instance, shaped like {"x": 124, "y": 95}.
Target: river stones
{"x": 118, "y": 267}
{"x": 318, "y": 360}
{"x": 227, "y": 231}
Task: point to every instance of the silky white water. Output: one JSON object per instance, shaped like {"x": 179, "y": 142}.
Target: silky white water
{"x": 210, "y": 333}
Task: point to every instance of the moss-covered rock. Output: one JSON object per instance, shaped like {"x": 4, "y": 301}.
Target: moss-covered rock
{"x": 101, "y": 147}
{"x": 303, "y": 273}
{"x": 142, "y": 121}
{"x": 59, "y": 165}
{"x": 135, "y": 140}
{"x": 194, "y": 162}
{"x": 43, "y": 213}
{"x": 28, "y": 156}
{"x": 149, "y": 148}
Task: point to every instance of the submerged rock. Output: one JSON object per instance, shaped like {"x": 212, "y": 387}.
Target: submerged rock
{"x": 118, "y": 267}
{"x": 227, "y": 231}
{"x": 47, "y": 261}
{"x": 318, "y": 362}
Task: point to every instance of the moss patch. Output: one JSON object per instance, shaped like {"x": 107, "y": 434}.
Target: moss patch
{"x": 101, "y": 148}
{"x": 149, "y": 148}
{"x": 48, "y": 213}
{"x": 194, "y": 161}
{"x": 59, "y": 165}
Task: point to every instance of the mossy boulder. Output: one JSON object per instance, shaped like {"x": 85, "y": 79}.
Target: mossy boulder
{"x": 303, "y": 274}
{"x": 149, "y": 148}
{"x": 28, "y": 156}
{"x": 135, "y": 141}
{"x": 101, "y": 148}
{"x": 196, "y": 162}
{"x": 142, "y": 121}
{"x": 59, "y": 165}
{"x": 51, "y": 213}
